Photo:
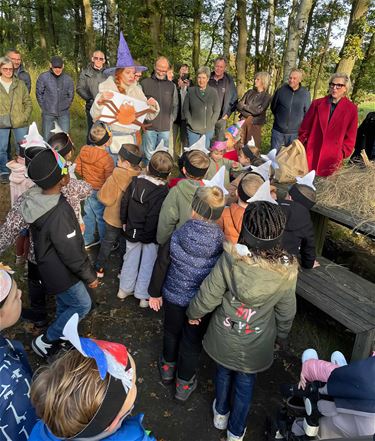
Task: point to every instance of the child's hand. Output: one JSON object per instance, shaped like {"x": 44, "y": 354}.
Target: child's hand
{"x": 151, "y": 101}
{"x": 195, "y": 322}
{"x": 105, "y": 96}
{"x": 316, "y": 264}
{"x": 124, "y": 227}
{"x": 302, "y": 382}
{"x": 155, "y": 303}
{"x": 94, "y": 284}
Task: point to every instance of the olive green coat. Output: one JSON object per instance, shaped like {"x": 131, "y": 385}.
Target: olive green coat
{"x": 253, "y": 302}
{"x": 21, "y": 107}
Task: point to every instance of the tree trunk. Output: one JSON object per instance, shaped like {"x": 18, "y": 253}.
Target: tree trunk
{"x": 241, "y": 49}
{"x": 322, "y": 57}
{"x": 197, "y": 17}
{"x": 257, "y": 35}
{"x": 295, "y": 31}
{"x": 251, "y": 30}
{"x": 90, "y": 43}
{"x": 42, "y": 25}
{"x": 270, "y": 55}
{"x": 351, "y": 49}
{"x": 155, "y": 26}
{"x": 368, "y": 60}
{"x": 77, "y": 33}
{"x": 30, "y": 30}
{"x": 111, "y": 34}
{"x": 307, "y": 33}
{"x": 228, "y": 6}
{"x": 51, "y": 23}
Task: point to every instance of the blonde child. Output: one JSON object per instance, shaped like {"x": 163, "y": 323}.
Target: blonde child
{"x": 140, "y": 208}
{"x": 194, "y": 250}
{"x": 110, "y": 195}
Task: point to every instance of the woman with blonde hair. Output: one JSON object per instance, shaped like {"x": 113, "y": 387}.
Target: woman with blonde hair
{"x": 252, "y": 107}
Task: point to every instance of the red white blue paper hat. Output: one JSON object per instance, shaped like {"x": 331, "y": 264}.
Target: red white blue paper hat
{"x": 235, "y": 129}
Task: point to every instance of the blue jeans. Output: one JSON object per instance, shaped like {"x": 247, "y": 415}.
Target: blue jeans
{"x": 93, "y": 215}
{"x": 48, "y": 124}
{"x": 76, "y": 299}
{"x": 194, "y": 137}
{"x": 234, "y": 394}
{"x": 4, "y": 139}
{"x": 151, "y": 139}
{"x": 279, "y": 139}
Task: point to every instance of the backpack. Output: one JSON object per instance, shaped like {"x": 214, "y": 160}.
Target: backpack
{"x": 292, "y": 162}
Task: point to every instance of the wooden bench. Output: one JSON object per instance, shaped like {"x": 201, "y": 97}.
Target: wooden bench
{"x": 346, "y": 297}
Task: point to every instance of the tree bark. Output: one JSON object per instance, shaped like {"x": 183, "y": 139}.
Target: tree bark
{"x": 111, "y": 34}
{"x": 322, "y": 58}
{"x": 155, "y": 26}
{"x": 295, "y": 31}
{"x": 270, "y": 53}
{"x": 307, "y": 33}
{"x": 257, "y": 35}
{"x": 242, "y": 45}
{"x": 369, "y": 60}
{"x": 90, "y": 43}
{"x": 51, "y": 23}
{"x": 42, "y": 26}
{"x": 250, "y": 31}
{"x": 228, "y": 6}
{"x": 351, "y": 49}
{"x": 197, "y": 17}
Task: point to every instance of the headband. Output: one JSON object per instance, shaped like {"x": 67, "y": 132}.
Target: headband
{"x": 129, "y": 156}
{"x": 241, "y": 192}
{"x": 204, "y": 210}
{"x": 105, "y": 138}
{"x": 158, "y": 174}
{"x": 300, "y": 197}
{"x": 248, "y": 153}
{"x": 192, "y": 170}
{"x": 257, "y": 243}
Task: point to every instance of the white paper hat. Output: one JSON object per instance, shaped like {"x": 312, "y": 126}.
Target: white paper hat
{"x": 160, "y": 148}
{"x": 251, "y": 142}
{"x": 57, "y": 128}
{"x": 263, "y": 194}
{"x": 271, "y": 155}
{"x": 307, "y": 180}
{"x": 263, "y": 170}
{"x": 33, "y": 138}
{"x": 199, "y": 145}
{"x": 217, "y": 180}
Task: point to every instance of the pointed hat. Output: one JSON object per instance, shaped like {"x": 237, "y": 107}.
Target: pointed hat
{"x": 217, "y": 180}
{"x": 199, "y": 145}
{"x": 263, "y": 194}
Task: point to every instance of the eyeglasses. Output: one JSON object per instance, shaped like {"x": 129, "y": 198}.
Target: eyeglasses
{"x": 7, "y": 69}
{"x": 99, "y": 58}
{"x": 336, "y": 85}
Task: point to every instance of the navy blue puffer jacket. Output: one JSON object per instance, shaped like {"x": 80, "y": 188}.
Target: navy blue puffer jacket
{"x": 195, "y": 249}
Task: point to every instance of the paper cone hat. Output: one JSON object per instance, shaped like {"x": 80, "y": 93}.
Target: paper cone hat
{"x": 271, "y": 155}
{"x": 307, "y": 180}
{"x": 263, "y": 194}
{"x": 199, "y": 145}
{"x": 217, "y": 180}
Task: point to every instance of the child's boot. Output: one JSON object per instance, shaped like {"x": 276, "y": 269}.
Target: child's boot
{"x": 44, "y": 347}
{"x": 185, "y": 388}
{"x": 231, "y": 437}
{"x": 167, "y": 370}
{"x": 220, "y": 421}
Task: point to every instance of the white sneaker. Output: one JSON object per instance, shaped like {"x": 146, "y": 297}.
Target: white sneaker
{"x": 143, "y": 303}
{"x": 309, "y": 354}
{"x": 231, "y": 437}
{"x": 338, "y": 358}
{"x": 220, "y": 421}
{"x": 122, "y": 294}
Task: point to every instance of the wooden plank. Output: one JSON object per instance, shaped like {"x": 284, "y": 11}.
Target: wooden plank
{"x": 363, "y": 345}
{"x": 320, "y": 224}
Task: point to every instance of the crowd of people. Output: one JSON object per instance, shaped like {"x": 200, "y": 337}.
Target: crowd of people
{"x": 217, "y": 247}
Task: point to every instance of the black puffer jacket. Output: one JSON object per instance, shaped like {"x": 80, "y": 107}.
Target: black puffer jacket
{"x": 59, "y": 249}
{"x": 88, "y": 84}
{"x": 298, "y": 237}
{"x": 140, "y": 208}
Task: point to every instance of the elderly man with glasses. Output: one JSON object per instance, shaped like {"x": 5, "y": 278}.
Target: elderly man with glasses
{"x": 88, "y": 83}
{"x": 329, "y": 128}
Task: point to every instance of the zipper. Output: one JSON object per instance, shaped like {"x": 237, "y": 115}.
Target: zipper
{"x": 205, "y": 117}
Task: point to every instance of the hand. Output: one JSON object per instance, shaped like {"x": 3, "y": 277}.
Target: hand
{"x": 124, "y": 227}
{"x": 225, "y": 117}
{"x": 316, "y": 264}
{"x": 235, "y": 164}
{"x": 155, "y": 303}
{"x": 302, "y": 382}
{"x": 93, "y": 284}
{"x": 181, "y": 83}
{"x": 105, "y": 96}
{"x": 195, "y": 322}
{"x": 152, "y": 102}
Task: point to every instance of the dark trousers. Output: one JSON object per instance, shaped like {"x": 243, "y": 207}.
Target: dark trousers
{"x": 36, "y": 288}
{"x": 111, "y": 236}
{"x": 220, "y": 128}
{"x": 250, "y": 130}
{"x": 89, "y": 123}
{"x": 182, "y": 343}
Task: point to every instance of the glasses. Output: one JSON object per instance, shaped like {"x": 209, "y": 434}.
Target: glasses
{"x": 99, "y": 58}
{"x": 7, "y": 69}
{"x": 336, "y": 85}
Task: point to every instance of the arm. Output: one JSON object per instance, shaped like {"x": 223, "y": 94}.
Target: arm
{"x": 78, "y": 163}
{"x": 285, "y": 310}
{"x": 305, "y": 128}
{"x": 13, "y": 224}
{"x": 274, "y": 101}
{"x": 107, "y": 194}
{"x": 350, "y": 135}
{"x": 216, "y": 107}
{"x": 168, "y": 218}
{"x": 108, "y": 167}
{"x": 307, "y": 102}
{"x": 210, "y": 294}
{"x": 125, "y": 204}
{"x": 233, "y": 98}
{"x": 26, "y": 102}
{"x": 77, "y": 188}
{"x": 175, "y": 104}
{"x": 81, "y": 89}
{"x": 39, "y": 91}
{"x": 186, "y": 107}
{"x": 27, "y": 80}
{"x": 160, "y": 270}
{"x": 70, "y": 91}
{"x": 307, "y": 249}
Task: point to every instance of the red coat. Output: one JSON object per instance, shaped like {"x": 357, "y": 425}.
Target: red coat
{"x": 328, "y": 143}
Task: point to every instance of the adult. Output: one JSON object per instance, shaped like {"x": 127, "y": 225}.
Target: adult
{"x": 15, "y": 111}
{"x": 201, "y": 108}
{"x": 252, "y": 107}
{"x": 88, "y": 83}
{"x": 55, "y": 93}
{"x": 122, "y": 80}
{"x": 289, "y": 106}
{"x": 227, "y": 92}
{"x": 329, "y": 128}
{"x": 365, "y": 138}
{"x": 19, "y": 70}
{"x": 165, "y": 93}
{"x": 182, "y": 83}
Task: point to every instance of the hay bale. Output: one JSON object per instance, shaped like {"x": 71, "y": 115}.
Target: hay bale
{"x": 351, "y": 188}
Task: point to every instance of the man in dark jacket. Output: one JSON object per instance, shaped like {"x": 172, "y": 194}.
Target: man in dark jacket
{"x": 55, "y": 93}
{"x": 19, "y": 71}
{"x": 59, "y": 247}
{"x": 88, "y": 83}
{"x": 165, "y": 93}
{"x": 226, "y": 89}
{"x": 289, "y": 106}
{"x": 183, "y": 82}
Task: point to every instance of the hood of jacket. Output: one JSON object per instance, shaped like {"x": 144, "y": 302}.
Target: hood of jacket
{"x": 255, "y": 278}
{"x": 121, "y": 176}
{"x": 186, "y": 189}
{"x": 36, "y": 204}
{"x": 92, "y": 154}
{"x": 146, "y": 189}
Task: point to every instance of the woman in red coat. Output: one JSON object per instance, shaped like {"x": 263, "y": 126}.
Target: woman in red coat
{"x": 329, "y": 128}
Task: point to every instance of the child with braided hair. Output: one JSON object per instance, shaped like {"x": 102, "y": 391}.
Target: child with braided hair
{"x": 251, "y": 292}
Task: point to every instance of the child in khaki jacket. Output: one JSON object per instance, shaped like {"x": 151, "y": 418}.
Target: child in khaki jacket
{"x": 110, "y": 196}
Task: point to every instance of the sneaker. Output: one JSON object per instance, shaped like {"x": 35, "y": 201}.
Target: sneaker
{"x": 231, "y": 437}
{"x": 43, "y": 347}
{"x": 220, "y": 421}
{"x": 185, "y": 388}
{"x": 167, "y": 370}
{"x": 338, "y": 358}
{"x": 122, "y": 294}
{"x": 92, "y": 244}
{"x": 100, "y": 273}
{"x": 143, "y": 303}
{"x": 38, "y": 319}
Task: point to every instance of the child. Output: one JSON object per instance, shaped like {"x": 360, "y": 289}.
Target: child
{"x": 217, "y": 160}
{"x": 88, "y": 393}
{"x": 95, "y": 165}
{"x": 233, "y": 137}
{"x": 298, "y": 238}
{"x": 110, "y": 195}
{"x": 140, "y": 208}
{"x": 194, "y": 250}
{"x": 252, "y": 293}
{"x": 17, "y": 416}
{"x": 231, "y": 219}
{"x": 61, "y": 260}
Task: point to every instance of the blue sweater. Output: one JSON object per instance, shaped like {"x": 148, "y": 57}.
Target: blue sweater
{"x": 195, "y": 249}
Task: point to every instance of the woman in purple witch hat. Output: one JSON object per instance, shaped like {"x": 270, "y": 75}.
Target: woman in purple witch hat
{"x": 122, "y": 80}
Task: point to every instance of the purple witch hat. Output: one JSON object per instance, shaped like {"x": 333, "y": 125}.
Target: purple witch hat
{"x": 124, "y": 58}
